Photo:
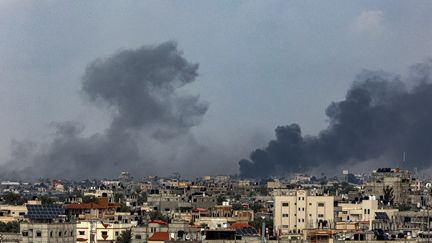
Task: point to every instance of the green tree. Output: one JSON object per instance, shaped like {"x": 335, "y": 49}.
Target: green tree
{"x": 220, "y": 199}
{"x": 89, "y": 199}
{"x": 10, "y": 227}
{"x": 156, "y": 215}
{"x": 256, "y": 207}
{"x": 142, "y": 198}
{"x": 118, "y": 197}
{"x": 124, "y": 208}
{"x": 46, "y": 200}
{"x": 388, "y": 195}
{"x": 237, "y": 206}
{"x": 12, "y": 198}
{"x": 257, "y": 223}
{"x": 125, "y": 237}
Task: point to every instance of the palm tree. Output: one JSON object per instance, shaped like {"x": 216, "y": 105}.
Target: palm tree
{"x": 388, "y": 195}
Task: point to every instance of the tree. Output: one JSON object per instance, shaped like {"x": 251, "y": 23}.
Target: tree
{"x": 12, "y": 227}
{"x": 257, "y": 223}
{"x": 142, "y": 198}
{"x": 12, "y": 198}
{"x": 220, "y": 199}
{"x": 89, "y": 199}
{"x": 256, "y": 207}
{"x": 46, "y": 200}
{"x": 125, "y": 237}
{"x": 156, "y": 215}
{"x": 124, "y": 208}
{"x": 237, "y": 206}
{"x": 118, "y": 197}
{"x": 388, "y": 195}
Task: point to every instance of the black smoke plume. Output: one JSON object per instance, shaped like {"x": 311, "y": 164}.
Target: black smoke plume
{"x": 381, "y": 117}
{"x": 142, "y": 90}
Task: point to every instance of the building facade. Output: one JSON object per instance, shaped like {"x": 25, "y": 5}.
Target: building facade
{"x": 299, "y": 210}
{"x": 48, "y": 232}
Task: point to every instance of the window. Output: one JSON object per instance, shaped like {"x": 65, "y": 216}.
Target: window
{"x": 285, "y": 226}
{"x": 321, "y": 204}
{"x": 285, "y": 215}
{"x": 60, "y": 233}
{"x": 303, "y": 198}
{"x": 320, "y": 215}
{"x": 81, "y": 232}
{"x": 299, "y": 198}
{"x": 310, "y": 215}
{"x": 51, "y": 234}
{"x": 302, "y": 209}
{"x": 138, "y": 237}
{"x": 303, "y": 220}
{"x": 365, "y": 211}
{"x": 38, "y": 234}
{"x": 285, "y": 204}
{"x": 310, "y": 204}
{"x": 25, "y": 233}
{"x": 299, "y": 209}
{"x": 368, "y": 211}
{"x": 116, "y": 233}
{"x": 299, "y": 220}
{"x": 104, "y": 233}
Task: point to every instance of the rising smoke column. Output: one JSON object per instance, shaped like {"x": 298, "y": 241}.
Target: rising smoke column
{"x": 381, "y": 117}
{"x": 141, "y": 90}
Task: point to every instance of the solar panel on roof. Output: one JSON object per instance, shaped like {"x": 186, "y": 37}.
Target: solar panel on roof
{"x": 381, "y": 215}
{"x": 44, "y": 211}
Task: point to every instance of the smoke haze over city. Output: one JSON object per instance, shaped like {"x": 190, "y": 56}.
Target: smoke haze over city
{"x": 254, "y": 88}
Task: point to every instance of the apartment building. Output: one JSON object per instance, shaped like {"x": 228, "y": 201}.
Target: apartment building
{"x": 399, "y": 180}
{"x": 363, "y": 215}
{"x": 99, "y": 231}
{"x": 300, "y": 209}
{"x": 46, "y": 223}
{"x": 10, "y": 213}
{"x": 46, "y": 232}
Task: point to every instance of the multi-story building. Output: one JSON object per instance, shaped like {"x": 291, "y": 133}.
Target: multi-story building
{"x": 10, "y": 213}
{"x": 46, "y": 232}
{"x": 299, "y": 209}
{"x": 99, "y": 231}
{"x": 363, "y": 215}
{"x": 399, "y": 180}
{"x": 47, "y": 223}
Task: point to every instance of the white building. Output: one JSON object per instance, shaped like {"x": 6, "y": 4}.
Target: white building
{"x": 299, "y": 209}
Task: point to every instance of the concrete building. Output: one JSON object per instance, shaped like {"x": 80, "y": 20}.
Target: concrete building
{"x": 99, "y": 231}
{"x": 10, "y": 213}
{"x": 399, "y": 180}
{"x": 364, "y": 215}
{"x": 46, "y": 232}
{"x": 47, "y": 223}
{"x": 299, "y": 210}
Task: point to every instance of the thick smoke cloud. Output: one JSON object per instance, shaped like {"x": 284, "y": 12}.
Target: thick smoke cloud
{"x": 381, "y": 117}
{"x": 142, "y": 90}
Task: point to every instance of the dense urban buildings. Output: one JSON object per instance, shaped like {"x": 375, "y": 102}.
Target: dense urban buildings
{"x": 386, "y": 204}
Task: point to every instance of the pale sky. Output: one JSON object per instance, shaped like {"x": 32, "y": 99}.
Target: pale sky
{"x": 262, "y": 63}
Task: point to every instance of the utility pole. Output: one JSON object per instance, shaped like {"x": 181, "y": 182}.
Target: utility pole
{"x": 428, "y": 219}
{"x": 263, "y": 231}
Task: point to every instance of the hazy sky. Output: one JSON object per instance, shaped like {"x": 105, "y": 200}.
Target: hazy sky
{"x": 262, "y": 63}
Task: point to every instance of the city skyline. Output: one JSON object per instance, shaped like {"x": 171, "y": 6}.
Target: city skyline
{"x": 260, "y": 66}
